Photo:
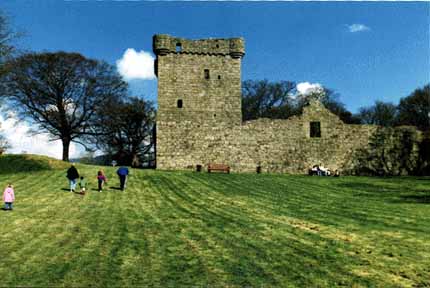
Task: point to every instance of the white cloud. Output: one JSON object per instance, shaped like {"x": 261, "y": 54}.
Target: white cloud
{"x": 136, "y": 65}
{"x": 68, "y": 105}
{"x": 357, "y": 28}
{"x": 16, "y": 133}
{"x": 306, "y": 88}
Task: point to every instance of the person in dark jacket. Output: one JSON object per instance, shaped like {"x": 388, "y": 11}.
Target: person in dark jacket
{"x": 122, "y": 173}
{"x": 73, "y": 176}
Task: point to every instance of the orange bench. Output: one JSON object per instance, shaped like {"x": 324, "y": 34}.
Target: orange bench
{"x": 218, "y": 167}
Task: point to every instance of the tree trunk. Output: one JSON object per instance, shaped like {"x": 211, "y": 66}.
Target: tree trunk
{"x": 135, "y": 162}
{"x": 66, "y": 145}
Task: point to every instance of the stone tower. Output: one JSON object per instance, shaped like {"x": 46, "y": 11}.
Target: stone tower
{"x": 199, "y": 85}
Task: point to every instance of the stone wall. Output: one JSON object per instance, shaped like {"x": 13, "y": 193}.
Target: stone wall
{"x": 207, "y": 128}
{"x": 275, "y": 145}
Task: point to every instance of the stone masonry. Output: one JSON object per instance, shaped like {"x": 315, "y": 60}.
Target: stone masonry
{"x": 199, "y": 116}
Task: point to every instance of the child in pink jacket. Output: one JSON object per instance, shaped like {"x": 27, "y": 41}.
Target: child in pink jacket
{"x": 8, "y": 197}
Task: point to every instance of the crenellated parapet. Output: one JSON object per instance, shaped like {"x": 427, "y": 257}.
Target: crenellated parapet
{"x": 164, "y": 44}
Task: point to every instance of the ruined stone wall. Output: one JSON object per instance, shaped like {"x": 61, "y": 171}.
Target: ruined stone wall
{"x": 275, "y": 145}
{"x": 207, "y": 128}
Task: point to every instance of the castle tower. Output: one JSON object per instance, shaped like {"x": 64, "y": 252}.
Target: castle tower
{"x": 199, "y": 84}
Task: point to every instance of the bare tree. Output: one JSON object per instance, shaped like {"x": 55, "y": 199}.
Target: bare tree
{"x": 4, "y": 144}
{"x": 415, "y": 109}
{"x": 125, "y": 129}
{"x": 6, "y": 49}
{"x": 7, "y": 35}
{"x": 60, "y": 92}
{"x": 381, "y": 113}
{"x": 267, "y": 99}
{"x": 281, "y": 100}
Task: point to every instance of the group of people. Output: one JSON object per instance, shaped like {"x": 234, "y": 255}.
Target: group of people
{"x": 73, "y": 176}
{"x": 322, "y": 171}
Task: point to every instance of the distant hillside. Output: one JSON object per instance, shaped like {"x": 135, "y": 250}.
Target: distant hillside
{"x": 14, "y": 163}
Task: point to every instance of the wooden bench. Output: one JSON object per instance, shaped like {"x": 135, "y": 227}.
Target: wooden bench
{"x": 218, "y": 167}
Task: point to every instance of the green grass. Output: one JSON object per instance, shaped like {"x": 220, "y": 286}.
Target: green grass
{"x": 28, "y": 163}
{"x": 173, "y": 229}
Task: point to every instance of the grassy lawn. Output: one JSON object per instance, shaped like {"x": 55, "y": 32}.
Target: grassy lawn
{"x": 199, "y": 229}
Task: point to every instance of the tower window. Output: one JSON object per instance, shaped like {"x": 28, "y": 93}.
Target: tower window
{"x": 179, "y": 103}
{"x": 219, "y": 77}
{"x": 315, "y": 129}
{"x": 178, "y": 47}
{"x": 207, "y": 74}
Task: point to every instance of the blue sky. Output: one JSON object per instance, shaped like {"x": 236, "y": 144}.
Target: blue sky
{"x": 386, "y": 59}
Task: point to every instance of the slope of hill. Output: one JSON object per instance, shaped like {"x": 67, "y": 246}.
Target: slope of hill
{"x": 16, "y": 163}
{"x": 176, "y": 229}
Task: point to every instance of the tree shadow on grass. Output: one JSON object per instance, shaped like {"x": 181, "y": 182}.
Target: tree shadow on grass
{"x": 79, "y": 193}
{"x": 422, "y": 199}
{"x": 367, "y": 189}
{"x": 389, "y": 194}
{"x": 74, "y": 192}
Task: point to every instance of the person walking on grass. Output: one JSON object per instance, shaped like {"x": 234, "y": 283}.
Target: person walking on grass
{"x": 83, "y": 185}
{"x": 73, "y": 176}
{"x": 8, "y": 197}
{"x": 101, "y": 179}
{"x": 122, "y": 173}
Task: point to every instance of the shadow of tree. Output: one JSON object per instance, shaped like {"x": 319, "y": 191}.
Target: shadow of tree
{"x": 369, "y": 188}
{"x": 398, "y": 194}
{"x": 424, "y": 199}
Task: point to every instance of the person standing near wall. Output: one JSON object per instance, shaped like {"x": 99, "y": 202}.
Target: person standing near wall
{"x": 122, "y": 173}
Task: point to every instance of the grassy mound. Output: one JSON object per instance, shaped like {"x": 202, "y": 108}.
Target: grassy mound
{"x": 182, "y": 229}
{"x": 11, "y": 163}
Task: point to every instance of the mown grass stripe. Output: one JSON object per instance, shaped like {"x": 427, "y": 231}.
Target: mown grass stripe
{"x": 183, "y": 229}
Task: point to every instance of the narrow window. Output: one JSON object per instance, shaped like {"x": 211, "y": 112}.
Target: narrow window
{"x": 219, "y": 77}
{"x": 315, "y": 129}
{"x": 206, "y": 73}
{"x": 179, "y": 103}
{"x": 217, "y": 46}
{"x": 178, "y": 47}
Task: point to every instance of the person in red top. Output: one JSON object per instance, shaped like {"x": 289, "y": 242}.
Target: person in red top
{"x": 101, "y": 178}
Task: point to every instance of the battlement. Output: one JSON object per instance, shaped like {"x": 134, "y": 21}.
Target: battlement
{"x": 198, "y": 80}
{"x": 164, "y": 44}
